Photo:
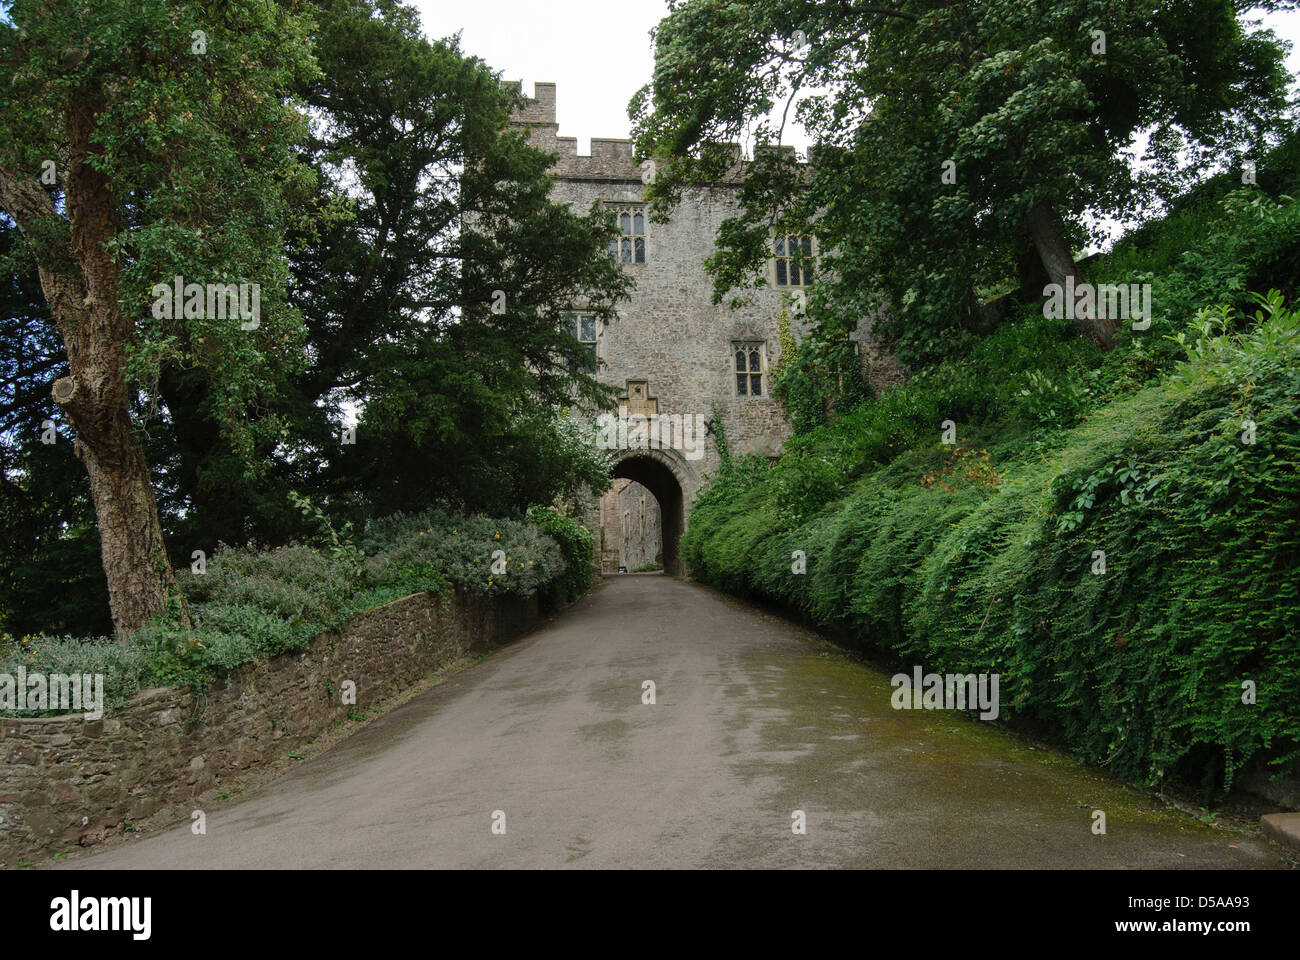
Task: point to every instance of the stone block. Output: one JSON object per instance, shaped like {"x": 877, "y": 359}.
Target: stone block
{"x": 1283, "y": 828}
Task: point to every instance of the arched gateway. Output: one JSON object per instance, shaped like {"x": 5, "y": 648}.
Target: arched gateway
{"x": 665, "y": 474}
{"x": 673, "y": 353}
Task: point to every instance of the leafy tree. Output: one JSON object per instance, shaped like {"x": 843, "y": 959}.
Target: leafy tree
{"x": 956, "y": 145}
{"x": 441, "y": 306}
{"x": 407, "y": 203}
{"x": 51, "y": 579}
{"x": 166, "y": 131}
{"x": 430, "y": 205}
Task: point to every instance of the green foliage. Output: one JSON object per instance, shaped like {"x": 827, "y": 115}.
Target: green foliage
{"x": 443, "y": 204}
{"x": 200, "y": 154}
{"x": 378, "y": 233}
{"x": 254, "y": 603}
{"x": 575, "y": 543}
{"x": 146, "y": 146}
{"x": 803, "y": 484}
{"x": 1031, "y": 122}
{"x": 337, "y": 544}
{"x": 1031, "y": 372}
{"x": 792, "y": 385}
{"x": 1045, "y": 402}
{"x": 720, "y": 439}
{"x": 1128, "y": 480}
{"x": 981, "y": 557}
{"x": 435, "y": 545}
{"x": 1218, "y": 351}
{"x": 125, "y": 667}
{"x": 963, "y": 564}
{"x": 985, "y": 386}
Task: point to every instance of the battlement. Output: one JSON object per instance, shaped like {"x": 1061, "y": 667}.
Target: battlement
{"x": 611, "y": 158}
{"x": 540, "y": 108}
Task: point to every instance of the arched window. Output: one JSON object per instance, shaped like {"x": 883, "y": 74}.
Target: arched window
{"x": 750, "y": 365}
{"x": 630, "y": 245}
{"x": 792, "y": 256}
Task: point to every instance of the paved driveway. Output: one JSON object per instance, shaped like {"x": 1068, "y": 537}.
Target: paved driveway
{"x": 751, "y": 723}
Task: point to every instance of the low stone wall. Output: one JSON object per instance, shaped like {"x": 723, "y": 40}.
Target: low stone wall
{"x": 68, "y": 781}
{"x": 1257, "y": 779}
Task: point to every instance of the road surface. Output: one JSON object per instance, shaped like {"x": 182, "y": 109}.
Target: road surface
{"x": 752, "y": 721}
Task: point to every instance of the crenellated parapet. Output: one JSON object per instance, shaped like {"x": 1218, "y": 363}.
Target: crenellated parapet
{"x": 610, "y": 159}
{"x": 672, "y": 354}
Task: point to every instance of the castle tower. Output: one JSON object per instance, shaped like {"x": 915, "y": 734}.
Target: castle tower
{"x": 672, "y": 352}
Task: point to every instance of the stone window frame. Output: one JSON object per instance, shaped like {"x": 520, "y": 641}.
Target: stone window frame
{"x": 573, "y": 321}
{"x": 782, "y": 262}
{"x": 746, "y": 378}
{"x": 577, "y": 316}
{"x": 629, "y": 244}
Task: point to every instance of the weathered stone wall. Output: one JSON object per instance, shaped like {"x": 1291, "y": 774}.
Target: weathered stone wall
{"x": 670, "y": 333}
{"x": 632, "y": 527}
{"x": 68, "y": 781}
{"x": 609, "y": 541}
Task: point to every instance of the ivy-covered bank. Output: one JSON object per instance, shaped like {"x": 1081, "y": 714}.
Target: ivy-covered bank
{"x": 1117, "y": 535}
{"x": 250, "y": 603}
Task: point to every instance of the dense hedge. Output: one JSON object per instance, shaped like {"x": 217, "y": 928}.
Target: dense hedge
{"x": 252, "y": 603}
{"x": 575, "y": 542}
{"x": 979, "y": 557}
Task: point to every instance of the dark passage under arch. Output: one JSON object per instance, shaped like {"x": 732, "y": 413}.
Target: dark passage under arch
{"x": 657, "y": 477}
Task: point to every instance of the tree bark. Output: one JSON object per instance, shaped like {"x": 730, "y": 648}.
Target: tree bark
{"x": 140, "y": 576}
{"x": 1030, "y": 273}
{"x": 1049, "y": 240}
{"x": 82, "y": 291}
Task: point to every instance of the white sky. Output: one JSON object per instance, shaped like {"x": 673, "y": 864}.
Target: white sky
{"x": 597, "y": 52}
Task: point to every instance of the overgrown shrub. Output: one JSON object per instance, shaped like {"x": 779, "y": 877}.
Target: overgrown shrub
{"x": 983, "y": 560}
{"x": 252, "y": 603}
{"x": 485, "y": 556}
{"x": 964, "y": 562}
{"x": 575, "y": 543}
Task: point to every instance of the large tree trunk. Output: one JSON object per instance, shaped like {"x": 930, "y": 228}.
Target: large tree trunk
{"x": 1049, "y": 240}
{"x": 83, "y": 299}
{"x": 1030, "y": 273}
{"x": 140, "y": 576}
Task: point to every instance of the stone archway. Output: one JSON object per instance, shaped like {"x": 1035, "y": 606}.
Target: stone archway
{"x": 660, "y": 473}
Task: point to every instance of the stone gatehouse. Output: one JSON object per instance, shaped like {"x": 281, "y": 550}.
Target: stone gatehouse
{"x": 672, "y": 350}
